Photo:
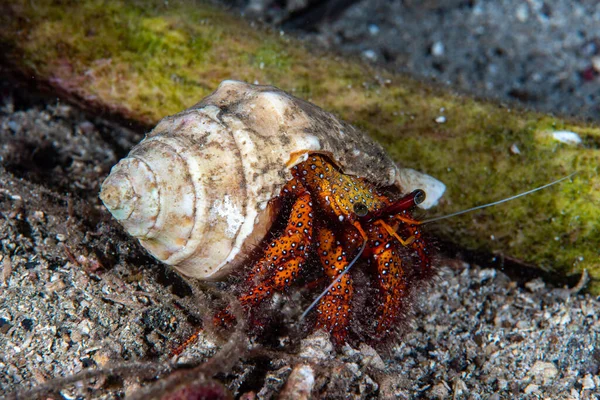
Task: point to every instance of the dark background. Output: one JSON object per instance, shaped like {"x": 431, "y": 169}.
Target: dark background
{"x": 544, "y": 54}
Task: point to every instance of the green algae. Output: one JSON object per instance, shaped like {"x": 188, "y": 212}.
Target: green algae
{"x": 147, "y": 60}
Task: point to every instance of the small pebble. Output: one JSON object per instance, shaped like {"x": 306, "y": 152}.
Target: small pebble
{"x": 87, "y": 128}
{"x": 371, "y": 357}
{"x": 370, "y": 55}
{"x": 543, "y": 370}
{"x": 440, "y": 391}
{"x": 38, "y": 215}
{"x": 596, "y": 63}
{"x": 567, "y": 137}
{"x": 523, "y": 324}
{"x": 437, "y": 49}
{"x": 522, "y": 12}
{"x": 588, "y": 383}
{"x": 487, "y": 274}
{"x": 316, "y": 346}
{"x": 373, "y": 29}
{"x": 14, "y": 126}
{"x": 535, "y": 285}
{"x": 299, "y": 384}
{"x": 531, "y": 388}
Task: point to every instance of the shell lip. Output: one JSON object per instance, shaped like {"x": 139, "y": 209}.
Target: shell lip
{"x": 298, "y": 157}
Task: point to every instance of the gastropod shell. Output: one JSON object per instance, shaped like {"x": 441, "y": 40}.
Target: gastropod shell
{"x": 197, "y": 191}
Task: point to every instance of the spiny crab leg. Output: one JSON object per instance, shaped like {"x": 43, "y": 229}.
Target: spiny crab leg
{"x": 334, "y": 306}
{"x": 391, "y": 277}
{"x": 332, "y": 284}
{"x": 282, "y": 261}
{"x": 425, "y": 269}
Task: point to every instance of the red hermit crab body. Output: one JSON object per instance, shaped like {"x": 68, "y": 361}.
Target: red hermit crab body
{"x": 209, "y": 183}
{"x": 333, "y": 219}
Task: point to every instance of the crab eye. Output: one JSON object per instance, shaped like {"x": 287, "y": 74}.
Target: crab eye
{"x": 361, "y": 209}
{"x": 419, "y": 196}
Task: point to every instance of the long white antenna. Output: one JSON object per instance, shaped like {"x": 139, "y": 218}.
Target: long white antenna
{"x": 426, "y": 221}
{"x": 335, "y": 281}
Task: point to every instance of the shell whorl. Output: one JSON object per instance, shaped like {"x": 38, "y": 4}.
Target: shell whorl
{"x": 196, "y": 191}
{"x": 177, "y": 197}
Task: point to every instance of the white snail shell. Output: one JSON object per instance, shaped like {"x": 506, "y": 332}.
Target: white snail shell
{"x": 195, "y": 192}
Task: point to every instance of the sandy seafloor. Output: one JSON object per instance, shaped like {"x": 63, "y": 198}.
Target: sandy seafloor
{"x": 77, "y": 293}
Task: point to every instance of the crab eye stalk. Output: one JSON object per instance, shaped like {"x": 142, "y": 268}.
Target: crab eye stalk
{"x": 360, "y": 209}
{"x": 407, "y": 202}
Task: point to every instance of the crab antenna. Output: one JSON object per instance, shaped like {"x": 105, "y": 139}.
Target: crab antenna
{"x": 426, "y": 221}
{"x": 337, "y": 278}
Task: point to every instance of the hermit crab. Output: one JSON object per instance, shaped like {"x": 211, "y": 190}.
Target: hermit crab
{"x": 254, "y": 181}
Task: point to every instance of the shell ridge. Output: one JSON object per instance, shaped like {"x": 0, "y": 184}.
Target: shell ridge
{"x": 249, "y": 215}
{"x": 135, "y": 205}
{"x": 153, "y": 230}
{"x": 176, "y": 152}
{"x": 225, "y": 121}
{"x": 172, "y": 247}
{"x": 225, "y": 207}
